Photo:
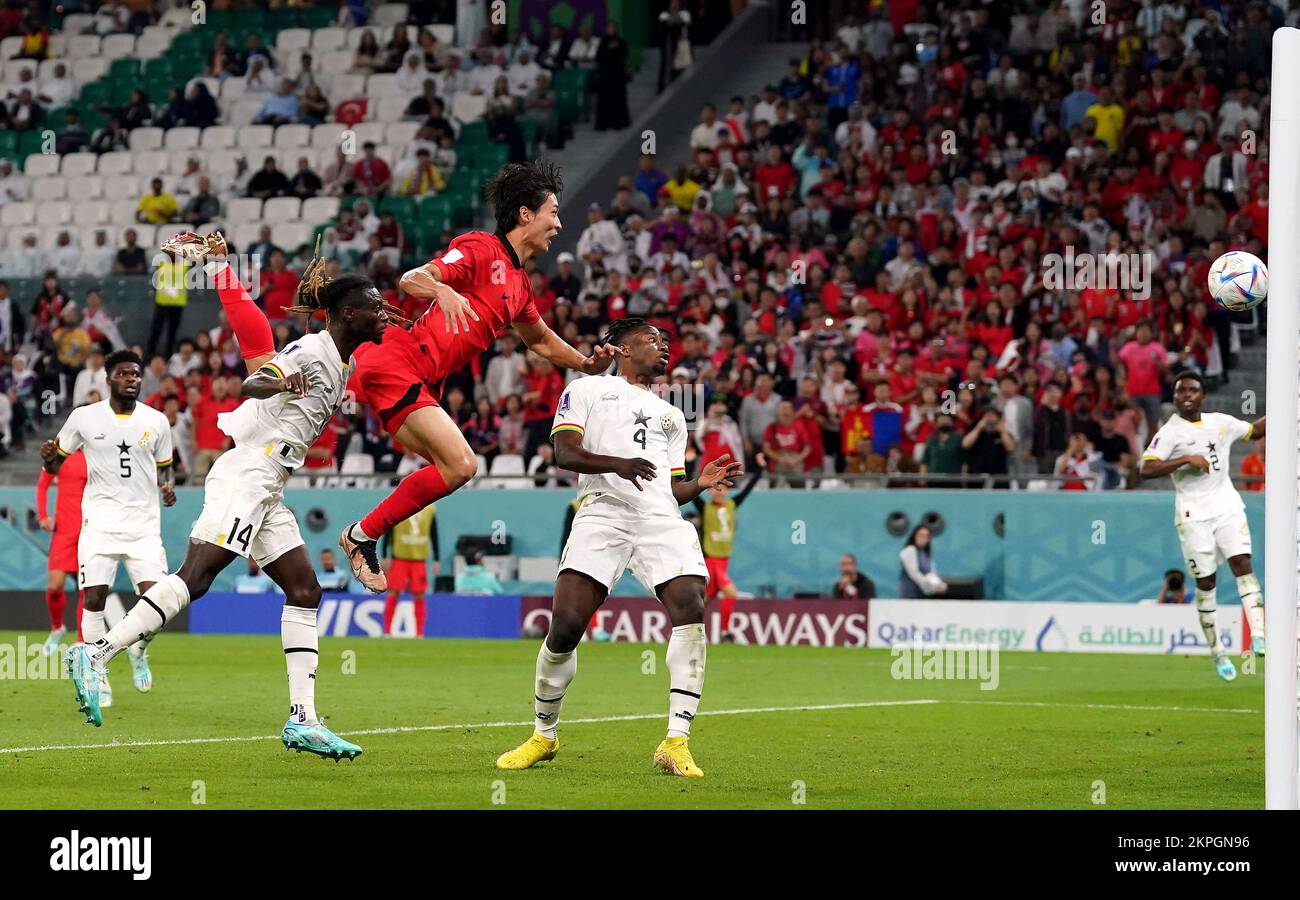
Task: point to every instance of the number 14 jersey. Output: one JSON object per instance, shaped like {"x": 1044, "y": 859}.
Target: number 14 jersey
{"x": 617, "y": 418}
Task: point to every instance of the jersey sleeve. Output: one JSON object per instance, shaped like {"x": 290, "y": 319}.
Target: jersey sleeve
{"x": 677, "y": 446}
{"x": 1161, "y": 447}
{"x": 70, "y": 437}
{"x": 572, "y": 410}
{"x": 286, "y": 362}
{"x": 465, "y": 263}
{"x": 162, "y": 449}
{"x": 1240, "y": 429}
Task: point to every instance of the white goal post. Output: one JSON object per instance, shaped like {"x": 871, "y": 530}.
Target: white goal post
{"x": 1283, "y": 355}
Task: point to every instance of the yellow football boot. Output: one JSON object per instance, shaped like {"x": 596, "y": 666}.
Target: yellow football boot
{"x": 674, "y": 758}
{"x": 532, "y": 751}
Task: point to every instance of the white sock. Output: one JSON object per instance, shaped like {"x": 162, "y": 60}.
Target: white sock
{"x": 687, "y": 648}
{"x": 93, "y": 626}
{"x": 155, "y": 608}
{"x": 301, "y": 640}
{"x": 554, "y": 672}
{"x": 357, "y": 534}
{"x": 1207, "y": 609}
{"x": 1252, "y": 602}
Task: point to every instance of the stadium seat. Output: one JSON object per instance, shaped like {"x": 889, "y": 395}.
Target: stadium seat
{"x": 358, "y": 464}
{"x": 152, "y": 45}
{"x": 388, "y": 15}
{"x": 316, "y": 210}
{"x": 52, "y": 211}
{"x": 40, "y": 165}
{"x": 282, "y": 209}
{"x": 86, "y": 70}
{"x": 402, "y": 208}
{"x": 143, "y": 235}
{"x": 177, "y": 17}
{"x": 84, "y": 187}
{"x": 117, "y": 46}
{"x": 507, "y": 464}
{"x": 390, "y": 109}
{"x": 118, "y": 162}
{"x": 145, "y": 138}
{"x": 328, "y": 40}
{"x": 122, "y": 188}
{"x": 81, "y": 46}
{"x": 346, "y": 85}
{"x": 221, "y": 165}
{"x": 181, "y": 138}
{"x": 384, "y": 84}
{"x": 368, "y": 131}
{"x": 336, "y": 63}
{"x": 46, "y": 68}
{"x": 232, "y": 89}
{"x": 292, "y": 235}
{"x": 327, "y": 135}
{"x": 93, "y": 212}
{"x": 11, "y": 46}
{"x": 18, "y": 212}
{"x": 218, "y": 137}
{"x": 156, "y": 161}
{"x": 251, "y": 136}
{"x": 468, "y": 107}
{"x": 14, "y": 68}
{"x": 121, "y": 211}
{"x": 400, "y": 133}
{"x": 243, "y": 209}
{"x": 292, "y": 41}
{"x": 446, "y": 34}
{"x": 78, "y": 23}
{"x": 43, "y": 190}
{"x": 292, "y": 136}
{"x": 244, "y": 111}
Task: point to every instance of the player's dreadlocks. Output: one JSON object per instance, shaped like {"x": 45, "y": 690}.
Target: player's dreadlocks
{"x": 521, "y": 184}
{"x": 619, "y": 330}
{"x": 318, "y": 291}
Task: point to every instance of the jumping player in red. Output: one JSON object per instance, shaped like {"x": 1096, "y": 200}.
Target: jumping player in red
{"x": 481, "y": 287}
{"x": 65, "y": 529}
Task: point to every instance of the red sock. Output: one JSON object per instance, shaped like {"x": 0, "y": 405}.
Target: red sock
{"x": 420, "y": 612}
{"x": 414, "y": 493}
{"x": 728, "y": 604}
{"x": 81, "y": 608}
{"x": 56, "y": 602}
{"x": 251, "y": 327}
{"x": 390, "y": 607}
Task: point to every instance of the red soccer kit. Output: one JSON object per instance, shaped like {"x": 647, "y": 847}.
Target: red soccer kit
{"x": 405, "y": 372}
{"x": 67, "y": 511}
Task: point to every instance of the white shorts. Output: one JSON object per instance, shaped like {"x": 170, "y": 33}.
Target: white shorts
{"x": 1227, "y": 536}
{"x": 243, "y": 507}
{"x": 609, "y": 536}
{"x": 99, "y": 552}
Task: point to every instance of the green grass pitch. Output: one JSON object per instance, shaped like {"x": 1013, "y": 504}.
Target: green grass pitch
{"x": 1158, "y": 731}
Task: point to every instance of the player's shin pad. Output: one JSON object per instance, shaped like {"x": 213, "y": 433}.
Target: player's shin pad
{"x": 158, "y": 606}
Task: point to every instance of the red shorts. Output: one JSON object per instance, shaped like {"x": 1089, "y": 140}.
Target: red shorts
{"x": 395, "y": 378}
{"x": 718, "y": 577}
{"x": 408, "y": 575}
{"x": 63, "y": 549}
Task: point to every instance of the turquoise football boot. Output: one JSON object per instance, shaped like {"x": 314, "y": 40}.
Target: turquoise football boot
{"x": 85, "y": 679}
{"x": 1227, "y": 671}
{"x": 319, "y": 740}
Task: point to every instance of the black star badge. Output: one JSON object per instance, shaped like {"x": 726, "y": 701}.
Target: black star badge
{"x": 641, "y": 418}
{"x": 123, "y": 447}
{"x": 1211, "y": 446}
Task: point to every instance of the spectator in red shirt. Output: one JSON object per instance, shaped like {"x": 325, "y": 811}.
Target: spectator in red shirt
{"x": 278, "y": 287}
{"x": 775, "y": 177}
{"x": 372, "y": 174}
{"x": 1146, "y": 363}
{"x": 785, "y": 444}
{"x": 542, "y": 389}
{"x": 209, "y": 440}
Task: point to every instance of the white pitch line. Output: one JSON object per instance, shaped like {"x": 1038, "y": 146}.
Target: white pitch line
{"x": 1208, "y": 709}
{"x": 402, "y": 729}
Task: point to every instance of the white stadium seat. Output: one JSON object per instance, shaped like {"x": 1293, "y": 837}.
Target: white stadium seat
{"x": 507, "y": 464}
{"x": 282, "y": 209}
{"x": 287, "y": 158}
{"x": 293, "y": 40}
{"x": 151, "y": 162}
{"x": 468, "y": 107}
{"x": 41, "y": 164}
{"x": 83, "y": 187}
{"x": 400, "y": 133}
{"x": 53, "y": 211}
{"x": 218, "y": 137}
{"x": 18, "y": 212}
{"x": 243, "y": 209}
{"x": 346, "y": 86}
{"x": 318, "y": 210}
{"x": 145, "y": 138}
{"x": 11, "y": 46}
{"x": 382, "y": 84}
{"x": 355, "y": 35}
{"x": 14, "y": 68}
{"x": 122, "y": 188}
{"x": 328, "y": 40}
{"x": 244, "y": 111}
{"x": 358, "y": 464}
{"x": 292, "y": 235}
{"x": 81, "y": 46}
{"x": 335, "y": 63}
{"x": 118, "y": 162}
{"x": 46, "y": 68}
{"x": 47, "y": 189}
{"x": 327, "y": 135}
{"x": 292, "y": 136}
{"x": 178, "y": 17}
{"x": 181, "y": 138}
{"x": 244, "y": 234}
{"x": 388, "y": 15}
{"x": 152, "y": 45}
{"x": 143, "y": 236}
{"x": 122, "y": 211}
{"x": 117, "y": 46}
{"x": 86, "y": 70}
{"x": 86, "y": 233}
{"x": 77, "y": 23}
{"x": 367, "y": 132}
{"x": 232, "y": 89}
{"x": 389, "y": 109}
{"x": 446, "y": 34}
{"x": 251, "y": 136}
{"x": 220, "y": 165}
{"x": 92, "y": 212}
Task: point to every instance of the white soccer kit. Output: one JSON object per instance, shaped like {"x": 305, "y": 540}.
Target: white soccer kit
{"x": 243, "y": 500}
{"x": 1208, "y": 511}
{"x": 618, "y": 527}
{"x": 121, "y": 518}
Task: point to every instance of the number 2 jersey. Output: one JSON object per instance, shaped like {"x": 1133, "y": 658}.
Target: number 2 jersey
{"x": 286, "y": 425}
{"x": 123, "y": 454}
{"x": 1201, "y": 495}
{"x": 617, "y": 418}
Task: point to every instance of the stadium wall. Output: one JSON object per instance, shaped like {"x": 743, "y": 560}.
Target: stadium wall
{"x": 1025, "y": 546}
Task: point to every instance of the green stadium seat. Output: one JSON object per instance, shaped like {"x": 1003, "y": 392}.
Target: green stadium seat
{"x": 319, "y": 17}
{"x": 124, "y": 68}
{"x": 160, "y": 70}
{"x": 437, "y": 210}
{"x": 529, "y": 128}
{"x": 475, "y": 132}
{"x": 96, "y": 94}
{"x": 8, "y": 144}
{"x": 402, "y": 208}
{"x": 569, "y": 104}
{"x": 347, "y": 202}
{"x": 570, "y": 80}
{"x": 29, "y": 142}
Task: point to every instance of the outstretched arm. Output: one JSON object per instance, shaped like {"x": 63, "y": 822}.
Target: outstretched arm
{"x": 550, "y": 346}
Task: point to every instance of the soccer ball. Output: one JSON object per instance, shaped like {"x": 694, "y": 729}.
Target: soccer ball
{"x": 1238, "y": 281}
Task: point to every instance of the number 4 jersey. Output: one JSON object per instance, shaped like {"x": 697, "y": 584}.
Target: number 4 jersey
{"x": 123, "y": 455}
{"x": 1201, "y": 495}
{"x": 617, "y": 418}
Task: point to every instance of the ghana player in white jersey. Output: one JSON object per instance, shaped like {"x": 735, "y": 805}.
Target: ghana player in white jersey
{"x": 628, "y": 447}
{"x": 293, "y": 396}
{"x": 128, "y": 449}
{"x": 1193, "y": 449}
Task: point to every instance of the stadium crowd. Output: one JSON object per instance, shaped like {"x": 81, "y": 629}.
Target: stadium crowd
{"x": 852, "y": 263}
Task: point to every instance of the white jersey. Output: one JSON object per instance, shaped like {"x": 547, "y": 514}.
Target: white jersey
{"x": 617, "y": 418}
{"x": 1201, "y": 495}
{"x": 285, "y": 426}
{"x": 123, "y": 455}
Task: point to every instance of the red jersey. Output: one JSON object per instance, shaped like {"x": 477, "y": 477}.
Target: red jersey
{"x": 279, "y": 290}
{"x": 207, "y": 436}
{"x": 72, "y": 483}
